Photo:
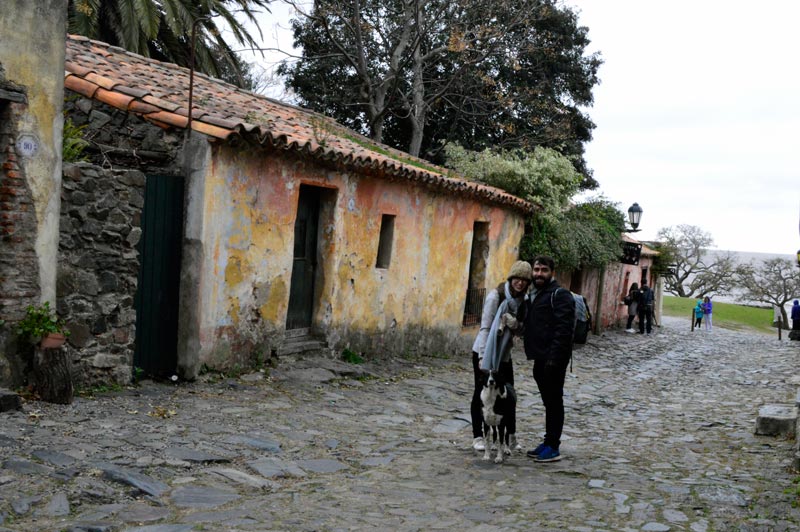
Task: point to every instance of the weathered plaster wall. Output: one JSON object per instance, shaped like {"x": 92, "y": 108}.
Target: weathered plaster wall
{"x": 32, "y": 51}
{"x": 247, "y": 235}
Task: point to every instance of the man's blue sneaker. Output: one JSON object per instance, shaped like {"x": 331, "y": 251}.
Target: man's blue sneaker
{"x": 533, "y": 453}
{"x": 548, "y": 454}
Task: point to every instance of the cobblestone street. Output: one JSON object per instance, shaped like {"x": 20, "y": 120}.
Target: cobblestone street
{"x": 658, "y": 436}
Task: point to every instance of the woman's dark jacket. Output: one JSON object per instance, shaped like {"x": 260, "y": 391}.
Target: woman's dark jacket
{"x": 550, "y": 324}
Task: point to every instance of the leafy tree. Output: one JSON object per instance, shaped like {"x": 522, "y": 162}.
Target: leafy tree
{"x": 417, "y": 74}
{"x": 582, "y": 235}
{"x": 774, "y": 282}
{"x": 585, "y": 235}
{"x": 541, "y": 176}
{"x": 695, "y": 272}
{"x": 162, "y": 29}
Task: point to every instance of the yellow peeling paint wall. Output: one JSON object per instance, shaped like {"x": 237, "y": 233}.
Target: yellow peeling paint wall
{"x": 32, "y": 49}
{"x": 414, "y": 305}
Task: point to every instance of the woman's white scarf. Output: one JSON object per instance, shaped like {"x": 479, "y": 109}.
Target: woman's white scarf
{"x": 498, "y": 349}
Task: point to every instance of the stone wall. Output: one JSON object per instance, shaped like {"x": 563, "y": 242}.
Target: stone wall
{"x": 19, "y": 265}
{"x": 123, "y": 140}
{"x": 98, "y": 269}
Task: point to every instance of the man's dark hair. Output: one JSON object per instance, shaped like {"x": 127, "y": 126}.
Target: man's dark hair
{"x": 544, "y": 260}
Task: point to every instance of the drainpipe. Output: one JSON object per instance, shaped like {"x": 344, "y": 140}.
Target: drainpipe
{"x": 599, "y": 306}
{"x": 191, "y": 74}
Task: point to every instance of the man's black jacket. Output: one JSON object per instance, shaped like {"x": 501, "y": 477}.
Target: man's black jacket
{"x": 550, "y": 324}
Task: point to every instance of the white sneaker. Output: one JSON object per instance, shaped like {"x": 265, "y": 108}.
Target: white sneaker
{"x": 478, "y": 445}
{"x": 629, "y": 330}
{"x": 513, "y": 443}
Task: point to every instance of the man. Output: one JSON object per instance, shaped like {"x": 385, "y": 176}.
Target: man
{"x": 646, "y": 300}
{"x": 549, "y": 326}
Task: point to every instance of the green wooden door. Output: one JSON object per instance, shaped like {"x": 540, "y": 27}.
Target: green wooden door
{"x": 159, "y": 276}
{"x": 301, "y": 293}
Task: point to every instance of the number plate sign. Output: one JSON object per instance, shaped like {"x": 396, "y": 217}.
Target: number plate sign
{"x": 27, "y": 145}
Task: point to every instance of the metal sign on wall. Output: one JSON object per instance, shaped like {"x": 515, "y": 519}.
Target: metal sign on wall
{"x": 631, "y": 253}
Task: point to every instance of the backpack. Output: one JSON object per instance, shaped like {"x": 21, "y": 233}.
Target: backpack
{"x": 583, "y": 318}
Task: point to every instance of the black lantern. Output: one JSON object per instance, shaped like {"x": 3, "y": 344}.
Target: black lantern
{"x": 634, "y": 217}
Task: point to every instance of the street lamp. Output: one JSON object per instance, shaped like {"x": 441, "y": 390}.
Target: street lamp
{"x": 634, "y": 217}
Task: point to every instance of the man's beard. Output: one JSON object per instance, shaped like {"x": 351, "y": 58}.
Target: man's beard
{"x": 540, "y": 281}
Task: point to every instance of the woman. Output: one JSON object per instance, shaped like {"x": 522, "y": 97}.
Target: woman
{"x": 698, "y": 314}
{"x": 796, "y": 316}
{"x": 502, "y": 313}
{"x": 707, "y": 312}
{"x": 632, "y": 300}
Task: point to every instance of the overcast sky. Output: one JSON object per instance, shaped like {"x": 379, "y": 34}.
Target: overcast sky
{"x": 697, "y": 114}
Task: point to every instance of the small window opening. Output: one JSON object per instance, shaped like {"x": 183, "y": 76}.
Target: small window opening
{"x": 385, "y": 242}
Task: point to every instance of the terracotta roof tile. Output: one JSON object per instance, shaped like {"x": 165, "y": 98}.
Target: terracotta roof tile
{"x": 77, "y": 69}
{"x": 141, "y": 108}
{"x": 159, "y": 92}
{"x": 114, "y": 99}
{"x": 131, "y": 91}
{"x": 166, "y": 117}
{"x": 101, "y": 81}
{"x": 211, "y": 130}
{"x": 80, "y": 85}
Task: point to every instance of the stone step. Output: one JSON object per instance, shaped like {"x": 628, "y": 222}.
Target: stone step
{"x": 9, "y": 401}
{"x": 776, "y": 420}
{"x": 293, "y": 333}
{"x": 298, "y": 343}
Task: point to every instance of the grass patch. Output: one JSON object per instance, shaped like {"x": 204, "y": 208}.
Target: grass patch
{"x": 89, "y": 393}
{"x": 352, "y": 357}
{"x": 726, "y": 315}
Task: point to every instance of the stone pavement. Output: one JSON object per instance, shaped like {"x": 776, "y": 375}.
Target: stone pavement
{"x": 658, "y": 437}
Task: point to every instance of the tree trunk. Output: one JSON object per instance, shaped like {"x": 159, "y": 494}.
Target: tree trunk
{"x": 417, "y": 114}
{"x": 52, "y": 375}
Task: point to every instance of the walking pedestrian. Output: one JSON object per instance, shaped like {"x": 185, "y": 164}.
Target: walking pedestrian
{"x": 698, "y": 313}
{"x": 502, "y": 317}
{"x": 795, "y": 334}
{"x": 548, "y": 336}
{"x": 645, "y": 309}
{"x": 632, "y": 300}
{"x": 707, "y": 310}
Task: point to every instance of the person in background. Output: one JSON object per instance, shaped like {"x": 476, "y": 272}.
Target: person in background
{"x": 795, "y": 334}
{"x": 503, "y": 315}
{"x": 707, "y": 308}
{"x": 698, "y": 314}
{"x": 632, "y": 300}
{"x": 645, "y": 309}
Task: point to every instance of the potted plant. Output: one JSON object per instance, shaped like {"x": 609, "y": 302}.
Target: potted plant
{"x": 41, "y": 326}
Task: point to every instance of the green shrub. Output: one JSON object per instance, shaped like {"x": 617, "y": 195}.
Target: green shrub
{"x": 73, "y": 144}
{"x": 351, "y": 357}
{"x": 38, "y": 322}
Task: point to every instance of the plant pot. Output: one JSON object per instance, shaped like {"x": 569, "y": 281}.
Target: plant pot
{"x": 52, "y": 341}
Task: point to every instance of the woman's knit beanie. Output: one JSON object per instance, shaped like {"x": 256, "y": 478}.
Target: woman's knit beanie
{"x": 521, "y": 270}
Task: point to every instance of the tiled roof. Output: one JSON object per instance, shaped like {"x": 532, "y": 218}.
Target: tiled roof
{"x": 159, "y": 93}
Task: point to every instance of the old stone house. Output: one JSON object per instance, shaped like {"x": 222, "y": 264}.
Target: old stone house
{"x": 605, "y": 288}
{"x": 267, "y": 222}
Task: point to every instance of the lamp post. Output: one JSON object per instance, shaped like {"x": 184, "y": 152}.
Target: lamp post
{"x": 634, "y": 217}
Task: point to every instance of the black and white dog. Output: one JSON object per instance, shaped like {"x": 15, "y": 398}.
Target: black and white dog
{"x": 498, "y": 400}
